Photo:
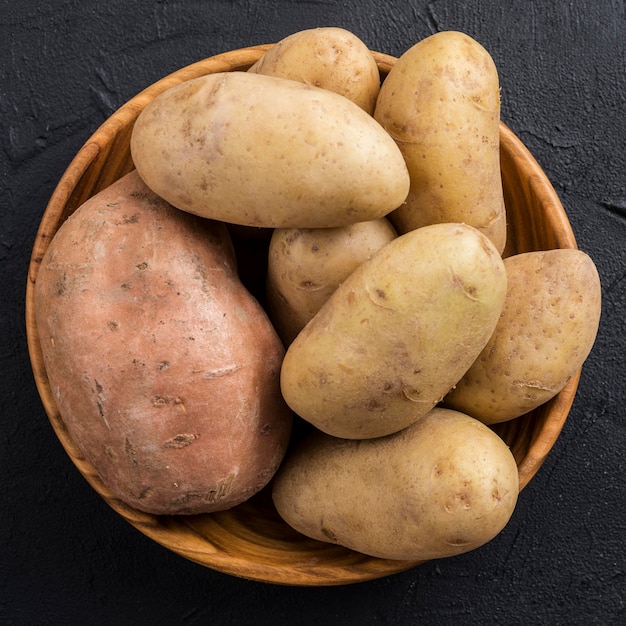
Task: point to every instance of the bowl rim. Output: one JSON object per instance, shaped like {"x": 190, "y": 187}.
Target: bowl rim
{"x": 187, "y": 542}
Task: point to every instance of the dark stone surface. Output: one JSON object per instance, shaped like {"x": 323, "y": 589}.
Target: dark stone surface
{"x": 67, "y": 558}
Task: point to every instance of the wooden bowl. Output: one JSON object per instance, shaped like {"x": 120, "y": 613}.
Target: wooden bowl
{"x": 251, "y": 541}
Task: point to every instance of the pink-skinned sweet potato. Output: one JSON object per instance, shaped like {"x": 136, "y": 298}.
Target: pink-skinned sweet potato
{"x": 164, "y": 368}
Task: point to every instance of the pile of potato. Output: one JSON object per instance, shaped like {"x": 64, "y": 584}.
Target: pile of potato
{"x": 391, "y": 325}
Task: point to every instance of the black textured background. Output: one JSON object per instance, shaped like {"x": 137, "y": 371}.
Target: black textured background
{"x": 65, "y": 556}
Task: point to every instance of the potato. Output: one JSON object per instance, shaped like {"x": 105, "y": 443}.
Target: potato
{"x": 264, "y": 151}
{"x": 441, "y": 102}
{"x": 163, "y": 367}
{"x": 306, "y": 265}
{"x": 441, "y": 487}
{"x": 547, "y": 329}
{"x": 395, "y": 337}
{"x": 329, "y": 57}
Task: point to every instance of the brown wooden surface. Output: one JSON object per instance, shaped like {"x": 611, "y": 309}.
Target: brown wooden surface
{"x": 251, "y": 541}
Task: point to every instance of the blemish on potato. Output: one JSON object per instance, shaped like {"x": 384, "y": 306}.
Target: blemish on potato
{"x": 62, "y": 285}
{"x": 221, "y": 371}
{"x": 181, "y": 441}
{"x": 160, "y": 401}
{"x": 146, "y": 493}
{"x": 129, "y": 450}
{"x": 467, "y": 289}
{"x": 378, "y": 296}
{"x": 221, "y": 490}
{"x": 374, "y": 404}
{"x": 332, "y": 537}
{"x": 458, "y": 542}
{"x": 412, "y": 394}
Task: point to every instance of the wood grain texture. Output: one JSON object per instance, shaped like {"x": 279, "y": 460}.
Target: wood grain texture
{"x": 250, "y": 541}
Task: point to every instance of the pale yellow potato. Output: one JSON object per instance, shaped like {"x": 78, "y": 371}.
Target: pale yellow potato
{"x": 441, "y": 487}
{"x": 306, "y": 265}
{"x": 441, "y": 103}
{"x": 328, "y": 57}
{"x": 397, "y": 334}
{"x": 547, "y": 329}
{"x": 269, "y": 152}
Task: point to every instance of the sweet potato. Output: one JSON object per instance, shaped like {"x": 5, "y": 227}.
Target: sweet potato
{"x": 163, "y": 366}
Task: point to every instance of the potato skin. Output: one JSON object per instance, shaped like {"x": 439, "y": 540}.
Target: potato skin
{"x": 263, "y": 151}
{"x": 163, "y": 367}
{"x": 547, "y": 329}
{"x": 398, "y": 334}
{"x": 306, "y": 265}
{"x": 441, "y": 102}
{"x": 329, "y": 57}
{"x": 443, "y": 486}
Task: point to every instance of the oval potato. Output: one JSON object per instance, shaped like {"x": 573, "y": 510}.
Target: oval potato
{"x": 397, "y": 334}
{"x": 164, "y": 369}
{"x": 306, "y": 265}
{"x": 264, "y": 151}
{"x": 547, "y": 329}
{"x": 441, "y": 102}
{"x": 443, "y": 486}
{"x": 331, "y": 58}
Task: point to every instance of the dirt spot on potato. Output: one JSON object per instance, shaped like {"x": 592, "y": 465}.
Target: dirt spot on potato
{"x": 126, "y": 219}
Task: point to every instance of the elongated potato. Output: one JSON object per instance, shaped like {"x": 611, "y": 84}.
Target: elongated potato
{"x": 331, "y": 58}
{"x": 163, "y": 367}
{"x": 441, "y": 487}
{"x": 398, "y": 334}
{"x": 264, "y": 151}
{"x": 441, "y": 102}
{"x": 547, "y": 329}
{"x": 306, "y": 265}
